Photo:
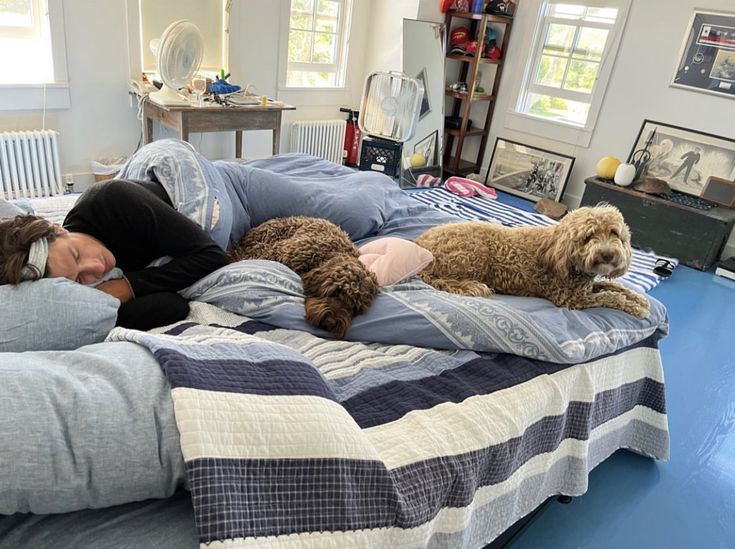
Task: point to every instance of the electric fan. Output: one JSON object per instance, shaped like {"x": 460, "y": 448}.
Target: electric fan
{"x": 179, "y": 54}
{"x": 389, "y": 112}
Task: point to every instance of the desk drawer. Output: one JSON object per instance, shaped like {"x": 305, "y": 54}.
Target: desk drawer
{"x": 692, "y": 237}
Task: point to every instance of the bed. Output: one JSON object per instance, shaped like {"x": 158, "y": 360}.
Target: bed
{"x": 243, "y": 427}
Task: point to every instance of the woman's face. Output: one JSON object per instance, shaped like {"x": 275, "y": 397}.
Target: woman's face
{"x": 79, "y": 257}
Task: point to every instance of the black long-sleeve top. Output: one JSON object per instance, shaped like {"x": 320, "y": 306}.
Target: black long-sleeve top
{"x": 137, "y": 223}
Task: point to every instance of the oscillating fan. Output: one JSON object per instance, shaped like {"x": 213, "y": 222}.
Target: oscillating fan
{"x": 179, "y": 53}
{"x": 389, "y": 112}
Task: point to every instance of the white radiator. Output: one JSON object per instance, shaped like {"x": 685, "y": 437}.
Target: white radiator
{"x": 29, "y": 164}
{"x": 323, "y": 138}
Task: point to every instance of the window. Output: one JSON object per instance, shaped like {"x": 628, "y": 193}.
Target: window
{"x": 23, "y": 27}
{"x": 571, "y": 61}
{"x": 317, "y": 43}
{"x": 35, "y": 76}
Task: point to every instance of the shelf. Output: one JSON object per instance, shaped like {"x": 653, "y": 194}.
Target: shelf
{"x": 464, "y": 167}
{"x": 465, "y": 95}
{"x": 478, "y": 16}
{"x": 473, "y": 131}
{"x": 471, "y": 58}
{"x": 463, "y": 101}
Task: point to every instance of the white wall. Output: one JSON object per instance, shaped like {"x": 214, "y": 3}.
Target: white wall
{"x": 101, "y": 121}
{"x": 638, "y": 88}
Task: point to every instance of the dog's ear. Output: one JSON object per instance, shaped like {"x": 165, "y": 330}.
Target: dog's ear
{"x": 556, "y": 250}
{"x": 328, "y": 313}
{"x": 345, "y": 278}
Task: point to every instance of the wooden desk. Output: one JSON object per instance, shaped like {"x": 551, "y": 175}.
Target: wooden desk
{"x": 695, "y": 237}
{"x": 215, "y": 118}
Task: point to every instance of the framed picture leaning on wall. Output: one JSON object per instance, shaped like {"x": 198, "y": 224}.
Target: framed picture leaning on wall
{"x": 707, "y": 56}
{"x": 685, "y": 158}
{"x": 528, "y": 171}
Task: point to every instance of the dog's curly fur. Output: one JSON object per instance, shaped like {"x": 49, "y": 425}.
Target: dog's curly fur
{"x": 336, "y": 285}
{"x": 559, "y": 263}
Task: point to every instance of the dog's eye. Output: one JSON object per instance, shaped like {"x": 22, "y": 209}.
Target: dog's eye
{"x": 588, "y": 238}
{"x": 615, "y": 234}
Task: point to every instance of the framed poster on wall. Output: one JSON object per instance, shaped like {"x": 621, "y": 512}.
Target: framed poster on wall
{"x": 707, "y": 57}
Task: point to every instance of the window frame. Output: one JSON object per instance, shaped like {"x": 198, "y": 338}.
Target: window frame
{"x": 51, "y": 95}
{"x": 568, "y": 132}
{"x": 343, "y": 40}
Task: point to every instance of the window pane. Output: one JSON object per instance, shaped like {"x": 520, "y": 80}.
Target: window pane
{"x": 324, "y": 48}
{"x": 301, "y": 20}
{"x": 559, "y": 39}
{"x": 307, "y": 79}
{"x": 551, "y": 71}
{"x": 581, "y": 76}
{"x": 327, "y": 7}
{"x": 572, "y": 11}
{"x": 602, "y": 15}
{"x": 16, "y": 13}
{"x": 590, "y": 44}
{"x": 302, "y": 5}
{"x": 299, "y": 46}
{"x": 555, "y": 108}
{"x": 326, "y": 24}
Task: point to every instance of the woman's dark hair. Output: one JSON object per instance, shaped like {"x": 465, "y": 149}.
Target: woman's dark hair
{"x": 16, "y": 236}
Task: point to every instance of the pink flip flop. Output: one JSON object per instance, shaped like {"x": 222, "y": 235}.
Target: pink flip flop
{"x": 466, "y": 188}
{"x": 426, "y": 180}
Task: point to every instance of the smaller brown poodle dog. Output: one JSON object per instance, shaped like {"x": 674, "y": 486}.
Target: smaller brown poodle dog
{"x": 336, "y": 285}
{"x": 560, "y": 263}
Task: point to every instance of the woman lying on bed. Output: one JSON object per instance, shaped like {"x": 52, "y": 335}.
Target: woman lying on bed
{"x": 116, "y": 224}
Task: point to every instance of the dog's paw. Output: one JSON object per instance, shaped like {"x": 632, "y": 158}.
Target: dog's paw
{"x": 474, "y": 288}
{"x": 329, "y": 314}
{"x": 471, "y": 288}
{"x": 638, "y": 310}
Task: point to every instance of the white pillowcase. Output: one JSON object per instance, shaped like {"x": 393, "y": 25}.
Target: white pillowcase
{"x": 394, "y": 259}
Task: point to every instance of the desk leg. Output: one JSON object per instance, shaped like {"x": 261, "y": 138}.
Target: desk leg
{"x": 277, "y": 134}
{"x": 238, "y": 144}
{"x": 147, "y": 129}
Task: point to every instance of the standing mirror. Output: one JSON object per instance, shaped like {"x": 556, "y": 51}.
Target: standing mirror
{"x": 423, "y": 59}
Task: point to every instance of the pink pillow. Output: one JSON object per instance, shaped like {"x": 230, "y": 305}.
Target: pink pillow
{"x": 394, "y": 259}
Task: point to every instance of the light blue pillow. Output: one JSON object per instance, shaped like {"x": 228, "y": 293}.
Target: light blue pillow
{"x": 11, "y": 209}
{"x": 83, "y": 429}
{"x": 53, "y": 314}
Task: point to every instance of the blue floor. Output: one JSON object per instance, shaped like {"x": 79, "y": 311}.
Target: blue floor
{"x": 689, "y": 502}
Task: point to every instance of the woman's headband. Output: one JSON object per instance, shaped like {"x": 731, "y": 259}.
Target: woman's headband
{"x": 37, "y": 258}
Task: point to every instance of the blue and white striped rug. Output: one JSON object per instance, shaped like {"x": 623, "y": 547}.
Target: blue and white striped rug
{"x": 640, "y": 275}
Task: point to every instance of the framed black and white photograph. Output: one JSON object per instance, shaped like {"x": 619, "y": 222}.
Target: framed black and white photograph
{"x": 707, "y": 57}
{"x": 425, "y": 103}
{"x": 527, "y": 171}
{"x": 427, "y": 147}
{"x": 685, "y": 158}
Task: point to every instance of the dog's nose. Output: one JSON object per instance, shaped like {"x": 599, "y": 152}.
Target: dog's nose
{"x": 607, "y": 257}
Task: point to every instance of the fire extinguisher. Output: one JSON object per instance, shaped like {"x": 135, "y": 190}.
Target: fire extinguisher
{"x": 351, "y": 147}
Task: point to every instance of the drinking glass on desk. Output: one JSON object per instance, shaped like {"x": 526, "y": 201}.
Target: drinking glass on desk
{"x": 199, "y": 85}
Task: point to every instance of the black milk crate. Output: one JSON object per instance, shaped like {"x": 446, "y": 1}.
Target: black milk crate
{"x": 380, "y": 155}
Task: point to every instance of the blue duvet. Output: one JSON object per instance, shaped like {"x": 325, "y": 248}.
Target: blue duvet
{"x": 228, "y": 198}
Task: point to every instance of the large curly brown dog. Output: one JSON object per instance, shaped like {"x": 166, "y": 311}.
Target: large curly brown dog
{"x": 336, "y": 285}
{"x": 560, "y": 263}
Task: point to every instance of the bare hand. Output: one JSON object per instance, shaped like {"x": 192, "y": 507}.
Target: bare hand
{"x": 119, "y": 288}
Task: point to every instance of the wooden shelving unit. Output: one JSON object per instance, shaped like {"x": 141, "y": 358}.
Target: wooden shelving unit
{"x": 454, "y": 139}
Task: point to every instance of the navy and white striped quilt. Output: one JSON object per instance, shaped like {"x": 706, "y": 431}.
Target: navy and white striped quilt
{"x": 640, "y": 276}
{"x": 291, "y": 440}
